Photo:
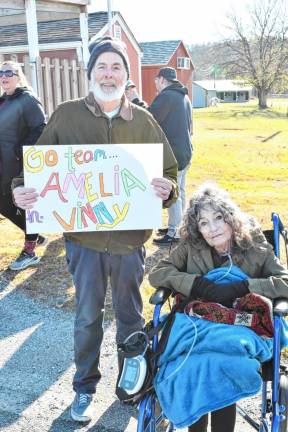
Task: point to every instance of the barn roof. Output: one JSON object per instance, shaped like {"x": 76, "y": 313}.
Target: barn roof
{"x": 223, "y": 85}
{"x": 65, "y": 30}
{"x": 159, "y": 52}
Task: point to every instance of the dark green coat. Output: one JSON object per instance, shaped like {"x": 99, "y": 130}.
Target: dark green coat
{"x": 266, "y": 275}
{"x": 81, "y": 121}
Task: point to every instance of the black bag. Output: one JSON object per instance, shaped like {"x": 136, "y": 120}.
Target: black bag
{"x": 138, "y": 363}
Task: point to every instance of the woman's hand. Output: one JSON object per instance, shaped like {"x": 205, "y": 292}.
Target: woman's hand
{"x": 162, "y": 187}
{"x": 25, "y": 198}
{"x": 224, "y": 294}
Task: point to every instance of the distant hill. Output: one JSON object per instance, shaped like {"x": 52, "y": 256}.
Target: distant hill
{"x": 209, "y": 60}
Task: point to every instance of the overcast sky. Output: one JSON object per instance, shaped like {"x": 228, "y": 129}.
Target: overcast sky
{"x": 190, "y": 20}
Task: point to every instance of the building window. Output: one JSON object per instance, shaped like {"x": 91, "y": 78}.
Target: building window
{"x": 117, "y": 31}
{"x": 183, "y": 63}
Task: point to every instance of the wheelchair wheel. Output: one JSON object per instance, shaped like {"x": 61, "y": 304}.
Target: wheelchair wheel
{"x": 151, "y": 417}
{"x": 283, "y": 401}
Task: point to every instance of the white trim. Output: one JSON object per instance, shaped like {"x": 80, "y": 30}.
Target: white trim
{"x": 84, "y": 31}
{"x": 42, "y": 47}
{"x": 140, "y": 76}
{"x": 174, "y": 52}
{"x": 128, "y": 32}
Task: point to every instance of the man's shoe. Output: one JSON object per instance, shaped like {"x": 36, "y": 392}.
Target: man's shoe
{"x": 166, "y": 240}
{"x": 162, "y": 231}
{"x": 41, "y": 240}
{"x": 81, "y": 407}
{"x": 24, "y": 260}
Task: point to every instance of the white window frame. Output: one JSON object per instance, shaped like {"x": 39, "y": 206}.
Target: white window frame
{"x": 183, "y": 63}
{"x": 117, "y": 32}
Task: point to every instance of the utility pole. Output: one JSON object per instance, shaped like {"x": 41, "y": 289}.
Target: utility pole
{"x": 109, "y": 17}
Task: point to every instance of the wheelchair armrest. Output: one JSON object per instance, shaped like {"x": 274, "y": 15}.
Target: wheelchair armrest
{"x": 280, "y": 306}
{"x": 160, "y": 296}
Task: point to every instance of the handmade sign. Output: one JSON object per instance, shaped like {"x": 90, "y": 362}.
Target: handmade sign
{"x": 93, "y": 187}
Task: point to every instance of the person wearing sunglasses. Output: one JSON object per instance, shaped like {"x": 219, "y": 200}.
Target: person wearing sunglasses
{"x": 22, "y": 121}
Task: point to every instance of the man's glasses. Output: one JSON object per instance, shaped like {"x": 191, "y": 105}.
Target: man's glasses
{"x": 7, "y": 73}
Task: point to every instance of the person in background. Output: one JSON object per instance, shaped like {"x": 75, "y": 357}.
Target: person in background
{"x": 22, "y": 121}
{"x": 216, "y": 233}
{"x": 104, "y": 116}
{"x": 132, "y": 95}
{"x": 172, "y": 110}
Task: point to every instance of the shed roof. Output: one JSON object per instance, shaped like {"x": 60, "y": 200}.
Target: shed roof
{"x": 159, "y": 52}
{"x": 223, "y": 85}
{"x": 53, "y": 31}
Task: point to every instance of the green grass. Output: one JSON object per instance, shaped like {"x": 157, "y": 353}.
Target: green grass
{"x": 245, "y": 150}
{"x": 242, "y": 148}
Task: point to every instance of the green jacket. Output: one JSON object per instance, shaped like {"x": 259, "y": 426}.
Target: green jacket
{"x": 81, "y": 121}
{"x": 266, "y": 275}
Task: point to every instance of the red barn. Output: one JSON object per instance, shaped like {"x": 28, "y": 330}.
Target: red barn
{"x": 171, "y": 53}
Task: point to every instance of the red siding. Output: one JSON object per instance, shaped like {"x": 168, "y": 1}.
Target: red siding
{"x": 134, "y": 60}
{"x": 149, "y": 73}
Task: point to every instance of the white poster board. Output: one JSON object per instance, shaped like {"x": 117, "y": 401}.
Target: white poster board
{"x": 93, "y": 187}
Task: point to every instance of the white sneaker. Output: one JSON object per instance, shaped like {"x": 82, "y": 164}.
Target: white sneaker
{"x": 81, "y": 407}
{"x": 24, "y": 260}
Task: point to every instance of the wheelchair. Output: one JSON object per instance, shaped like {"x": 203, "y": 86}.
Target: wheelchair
{"x": 274, "y": 406}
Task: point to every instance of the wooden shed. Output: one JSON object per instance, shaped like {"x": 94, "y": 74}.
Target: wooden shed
{"x": 208, "y": 92}
{"x": 63, "y": 55}
{"x": 26, "y": 13}
{"x": 61, "y": 38}
{"x": 156, "y": 55}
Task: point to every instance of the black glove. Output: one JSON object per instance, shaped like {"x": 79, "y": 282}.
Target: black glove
{"x": 218, "y": 293}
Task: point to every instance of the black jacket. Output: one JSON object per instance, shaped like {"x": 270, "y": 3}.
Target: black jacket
{"x": 172, "y": 110}
{"x": 22, "y": 120}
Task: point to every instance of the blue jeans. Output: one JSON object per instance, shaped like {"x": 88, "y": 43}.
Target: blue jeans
{"x": 90, "y": 270}
{"x": 175, "y": 212}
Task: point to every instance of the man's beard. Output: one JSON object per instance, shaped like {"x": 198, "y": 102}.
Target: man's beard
{"x": 106, "y": 97}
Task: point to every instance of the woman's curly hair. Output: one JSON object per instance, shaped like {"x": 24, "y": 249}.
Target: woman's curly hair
{"x": 244, "y": 227}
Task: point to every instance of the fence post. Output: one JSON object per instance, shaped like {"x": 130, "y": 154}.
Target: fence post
{"x": 66, "y": 80}
{"x": 74, "y": 80}
{"x": 27, "y": 69}
{"x": 83, "y": 80}
{"x": 57, "y": 82}
{"x": 48, "y": 86}
{"x": 40, "y": 80}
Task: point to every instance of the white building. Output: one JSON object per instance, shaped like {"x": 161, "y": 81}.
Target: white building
{"x": 224, "y": 90}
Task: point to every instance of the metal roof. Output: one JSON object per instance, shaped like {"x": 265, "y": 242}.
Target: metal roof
{"x": 223, "y": 85}
{"x": 158, "y": 53}
{"x": 65, "y": 30}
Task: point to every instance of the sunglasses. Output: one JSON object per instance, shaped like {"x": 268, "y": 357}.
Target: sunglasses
{"x": 7, "y": 73}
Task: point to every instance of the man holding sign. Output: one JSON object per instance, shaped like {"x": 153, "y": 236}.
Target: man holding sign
{"x": 105, "y": 116}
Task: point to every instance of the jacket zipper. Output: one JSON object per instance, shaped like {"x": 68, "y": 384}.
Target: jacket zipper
{"x": 109, "y": 142}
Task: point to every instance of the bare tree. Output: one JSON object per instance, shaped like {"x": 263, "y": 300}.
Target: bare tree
{"x": 259, "y": 46}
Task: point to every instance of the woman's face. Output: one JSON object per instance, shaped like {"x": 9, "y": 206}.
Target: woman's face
{"x": 214, "y": 229}
{"x": 8, "y": 82}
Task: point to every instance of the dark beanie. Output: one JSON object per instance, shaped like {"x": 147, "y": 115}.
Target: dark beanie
{"x": 107, "y": 44}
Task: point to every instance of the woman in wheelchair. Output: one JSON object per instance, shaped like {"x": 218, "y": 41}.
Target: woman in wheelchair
{"x": 216, "y": 234}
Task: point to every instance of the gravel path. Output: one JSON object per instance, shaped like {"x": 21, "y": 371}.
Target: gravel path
{"x": 36, "y": 368}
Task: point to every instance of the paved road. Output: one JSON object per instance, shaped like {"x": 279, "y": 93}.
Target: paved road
{"x": 36, "y": 368}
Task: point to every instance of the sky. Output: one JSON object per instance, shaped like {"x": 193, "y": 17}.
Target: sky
{"x": 192, "y": 21}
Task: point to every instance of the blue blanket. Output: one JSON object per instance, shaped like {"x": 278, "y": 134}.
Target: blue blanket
{"x": 207, "y": 366}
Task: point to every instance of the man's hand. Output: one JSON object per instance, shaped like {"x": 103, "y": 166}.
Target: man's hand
{"x": 25, "y": 198}
{"x": 162, "y": 187}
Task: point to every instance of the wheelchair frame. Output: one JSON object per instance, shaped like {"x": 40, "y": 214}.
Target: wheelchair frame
{"x": 274, "y": 411}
